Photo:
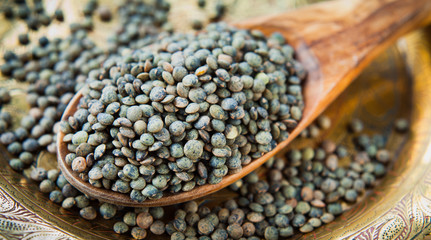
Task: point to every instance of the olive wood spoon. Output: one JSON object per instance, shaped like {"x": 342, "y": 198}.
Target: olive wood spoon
{"x": 333, "y": 40}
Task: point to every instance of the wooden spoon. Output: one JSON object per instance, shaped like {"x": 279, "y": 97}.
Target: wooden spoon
{"x": 333, "y": 40}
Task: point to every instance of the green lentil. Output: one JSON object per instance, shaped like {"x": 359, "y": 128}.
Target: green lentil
{"x": 120, "y": 227}
{"x": 130, "y": 219}
{"x": 88, "y": 213}
{"x": 401, "y": 125}
{"x": 205, "y": 227}
{"x": 107, "y": 211}
{"x": 138, "y": 233}
{"x": 158, "y": 227}
{"x": 56, "y": 196}
{"x": 144, "y": 220}
{"x": 46, "y": 186}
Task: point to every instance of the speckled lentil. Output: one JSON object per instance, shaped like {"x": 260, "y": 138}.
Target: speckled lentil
{"x": 88, "y": 213}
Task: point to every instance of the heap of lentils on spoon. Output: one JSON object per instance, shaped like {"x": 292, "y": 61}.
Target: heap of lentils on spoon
{"x": 185, "y": 111}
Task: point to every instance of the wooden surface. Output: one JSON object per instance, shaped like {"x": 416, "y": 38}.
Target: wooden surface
{"x": 380, "y": 95}
{"x": 334, "y": 41}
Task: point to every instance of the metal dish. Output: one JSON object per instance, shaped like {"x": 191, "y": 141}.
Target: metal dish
{"x": 395, "y": 85}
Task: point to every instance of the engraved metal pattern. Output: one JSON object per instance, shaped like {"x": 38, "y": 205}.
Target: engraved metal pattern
{"x": 17, "y": 222}
{"x": 409, "y": 219}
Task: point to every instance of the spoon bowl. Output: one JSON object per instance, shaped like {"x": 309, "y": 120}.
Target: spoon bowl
{"x": 333, "y": 40}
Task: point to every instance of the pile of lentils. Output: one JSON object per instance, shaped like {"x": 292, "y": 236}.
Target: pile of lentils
{"x": 194, "y": 110}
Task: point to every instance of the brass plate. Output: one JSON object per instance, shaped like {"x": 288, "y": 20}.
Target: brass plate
{"x": 395, "y": 85}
